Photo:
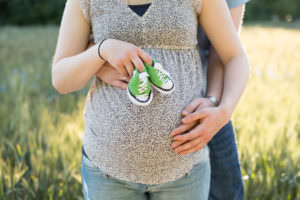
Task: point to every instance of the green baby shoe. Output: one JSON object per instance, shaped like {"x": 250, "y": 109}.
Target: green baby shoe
{"x": 160, "y": 78}
{"x": 139, "y": 89}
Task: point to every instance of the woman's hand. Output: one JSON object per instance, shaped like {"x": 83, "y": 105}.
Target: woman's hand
{"x": 124, "y": 56}
{"x": 112, "y": 77}
{"x": 201, "y": 122}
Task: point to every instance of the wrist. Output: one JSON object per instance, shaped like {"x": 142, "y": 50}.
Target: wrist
{"x": 212, "y": 99}
{"x": 226, "y": 110}
{"x": 102, "y": 47}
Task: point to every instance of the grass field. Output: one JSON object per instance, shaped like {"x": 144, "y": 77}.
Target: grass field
{"x": 41, "y": 131}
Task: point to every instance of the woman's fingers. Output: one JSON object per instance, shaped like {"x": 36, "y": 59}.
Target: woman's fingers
{"x": 129, "y": 68}
{"x": 138, "y": 63}
{"x": 144, "y": 56}
{"x": 123, "y": 55}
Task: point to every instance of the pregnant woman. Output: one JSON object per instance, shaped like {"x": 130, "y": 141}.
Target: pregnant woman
{"x": 128, "y": 148}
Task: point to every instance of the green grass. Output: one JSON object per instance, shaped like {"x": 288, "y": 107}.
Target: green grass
{"x": 41, "y": 131}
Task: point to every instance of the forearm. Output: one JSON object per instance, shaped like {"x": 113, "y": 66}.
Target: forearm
{"x": 215, "y": 75}
{"x": 236, "y": 75}
{"x": 74, "y": 72}
{"x": 215, "y": 70}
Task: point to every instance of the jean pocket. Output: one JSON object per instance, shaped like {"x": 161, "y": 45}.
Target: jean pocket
{"x": 205, "y": 158}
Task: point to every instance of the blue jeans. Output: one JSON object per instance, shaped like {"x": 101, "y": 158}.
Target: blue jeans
{"x": 226, "y": 178}
{"x": 98, "y": 185}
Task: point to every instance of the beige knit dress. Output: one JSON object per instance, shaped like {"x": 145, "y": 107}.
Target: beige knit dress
{"x": 130, "y": 142}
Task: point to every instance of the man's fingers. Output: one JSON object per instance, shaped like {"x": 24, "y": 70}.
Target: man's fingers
{"x": 188, "y": 145}
{"x": 117, "y": 75}
{"x": 193, "y": 149}
{"x": 120, "y": 84}
{"x": 191, "y": 107}
{"x": 182, "y": 128}
{"x": 195, "y": 132}
{"x": 123, "y": 78}
{"x": 197, "y": 115}
{"x": 177, "y": 143}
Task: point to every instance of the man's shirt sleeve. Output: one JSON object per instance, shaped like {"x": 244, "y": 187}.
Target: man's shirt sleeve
{"x": 235, "y": 3}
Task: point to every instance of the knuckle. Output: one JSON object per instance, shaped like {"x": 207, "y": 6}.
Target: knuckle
{"x": 191, "y": 117}
{"x": 134, "y": 51}
{"x": 120, "y": 62}
{"x": 123, "y": 56}
{"x": 194, "y": 134}
{"x": 204, "y": 131}
{"x": 118, "y": 65}
{"x": 140, "y": 65}
{"x": 195, "y": 143}
{"x": 188, "y": 145}
{"x": 127, "y": 55}
{"x": 138, "y": 50}
{"x": 180, "y": 138}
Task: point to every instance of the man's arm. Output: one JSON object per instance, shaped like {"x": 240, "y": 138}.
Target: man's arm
{"x": 215, "y": 70}
{"x": 215, "y": 81}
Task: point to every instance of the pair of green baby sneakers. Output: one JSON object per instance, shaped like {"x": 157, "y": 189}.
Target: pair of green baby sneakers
{"x": 139, "y": 87}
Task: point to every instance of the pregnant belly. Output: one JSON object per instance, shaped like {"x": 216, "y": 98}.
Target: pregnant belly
{"x": 115, "y": 121}
{"x": 113, "y": 118}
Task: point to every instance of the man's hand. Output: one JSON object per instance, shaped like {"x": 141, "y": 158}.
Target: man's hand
{"x": 112, "y": 77}
{"x": 201, "y": 122}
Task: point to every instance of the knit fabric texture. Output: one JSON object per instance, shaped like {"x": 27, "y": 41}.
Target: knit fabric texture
{"x": 130, "y": 142}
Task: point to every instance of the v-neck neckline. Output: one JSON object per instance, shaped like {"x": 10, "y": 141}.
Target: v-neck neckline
{"x": 140, "y": 9}
{"x": 152, "y": 4}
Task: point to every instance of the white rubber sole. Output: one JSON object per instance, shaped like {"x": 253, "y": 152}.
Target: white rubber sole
{"x": 138, "y": 103}
{"x": 163, "y": 91}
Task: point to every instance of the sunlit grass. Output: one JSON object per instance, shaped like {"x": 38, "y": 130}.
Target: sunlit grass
{"x": 267, "y": 118}
{"x": 40, "y": 130}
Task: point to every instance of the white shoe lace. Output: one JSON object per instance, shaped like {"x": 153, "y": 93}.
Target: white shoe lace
{"x": 143, "y": 85}
{"x": 161, "y": 72}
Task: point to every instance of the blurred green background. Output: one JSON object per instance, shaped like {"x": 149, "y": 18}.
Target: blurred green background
{"x": 23, "y": 12}
{"x": 41, "y": 130}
